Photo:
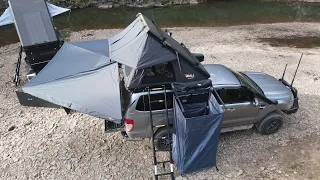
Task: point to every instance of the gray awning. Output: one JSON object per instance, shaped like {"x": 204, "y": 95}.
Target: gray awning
{"x": 80, "y": 79}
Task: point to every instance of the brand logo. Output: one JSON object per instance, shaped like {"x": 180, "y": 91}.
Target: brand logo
{"x": 189, "y": 76}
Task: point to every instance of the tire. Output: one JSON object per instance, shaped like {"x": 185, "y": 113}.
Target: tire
{"x": 161, "y": 139}
{"x": 270, "y": 124}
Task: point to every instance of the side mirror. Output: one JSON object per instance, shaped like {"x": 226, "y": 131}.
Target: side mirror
{"x": 256, "y": 101}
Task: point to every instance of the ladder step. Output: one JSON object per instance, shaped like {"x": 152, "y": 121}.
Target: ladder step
{"x": 161, "y": 162}
{"x": 159, "y": 126}
{"x": 163, "y": 174}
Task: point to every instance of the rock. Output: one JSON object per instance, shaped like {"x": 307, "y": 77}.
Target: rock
{"x": 262, "y": 168}
{"x": 239, "y": 173}
{"x": 105, "y": 6}
{"x": 69, "y": 166}
{"x": 279, "y": 171}
{"x": 15, "y": 159}
{"x": 272, "y": 168}
{"x": 11, "y": 128}
{"x": 229, "y": 175}
{"x": 1, "y": 115}
{"x": 28, "y": 123}
{"x": 112, "y": 158}
{"x": 295, "y": 172}
{"x": 145, "y": 157}
{"x": 53, "y": 163}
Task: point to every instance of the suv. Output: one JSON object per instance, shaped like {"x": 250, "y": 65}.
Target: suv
{"x": 248, "y": 98}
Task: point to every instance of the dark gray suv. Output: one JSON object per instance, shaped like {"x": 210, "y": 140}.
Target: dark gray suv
{"x": 248, "y": 99}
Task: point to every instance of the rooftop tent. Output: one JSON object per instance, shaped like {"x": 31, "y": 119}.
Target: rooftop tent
{"x": 33, "y": 21}
{"x": 80, "y": 77}
{"x": 151, "y": 57}
{"x": 6, "y": 17}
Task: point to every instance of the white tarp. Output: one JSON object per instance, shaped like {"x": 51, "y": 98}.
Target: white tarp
{"x": 6, "y": 17}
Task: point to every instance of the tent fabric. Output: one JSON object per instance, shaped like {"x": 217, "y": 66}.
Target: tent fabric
{"x": 71, "y": 59}
{"x": 97, "y": 46}
{"x": 126, "y": 47}
{"x": 142, "y": 46}
{"x": 196, "y": 135}
{"x": 80, "y": 78}
{"x": 6, "y": 17}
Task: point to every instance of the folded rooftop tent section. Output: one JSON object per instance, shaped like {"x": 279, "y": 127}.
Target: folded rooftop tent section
{"x": 33, "y": 22}
{"x": 197, "y": 125}
{"x": 35, "y": 29}
{"x": 81, "y": 77}
{"x": 151, "y": 57}
{"x": 6, "y": 17}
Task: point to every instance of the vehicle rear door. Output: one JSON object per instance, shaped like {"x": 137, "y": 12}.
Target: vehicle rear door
{"x": 239, "y": 106}
{"x": 140, "y": 112}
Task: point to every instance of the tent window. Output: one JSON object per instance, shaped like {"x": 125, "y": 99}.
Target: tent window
{"x": 159, "y": 73}
{"x": 157, "y": 102}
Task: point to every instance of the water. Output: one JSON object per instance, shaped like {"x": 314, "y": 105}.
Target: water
{"x": 217, "y": 13}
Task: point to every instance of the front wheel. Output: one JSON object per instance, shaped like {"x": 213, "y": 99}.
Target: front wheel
{"x": 270, "y": 124}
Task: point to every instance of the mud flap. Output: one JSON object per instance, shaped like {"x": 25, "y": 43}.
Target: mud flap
{"x": 110, "y": 127}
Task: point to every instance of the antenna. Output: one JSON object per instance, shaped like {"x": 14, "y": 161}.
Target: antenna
{"x": 296, "y": 69}
{"x": 284, "y": 72}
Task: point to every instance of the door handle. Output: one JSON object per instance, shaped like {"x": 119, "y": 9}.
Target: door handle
{"x": 230, "y": 109}
{"x": 262, "y": 106}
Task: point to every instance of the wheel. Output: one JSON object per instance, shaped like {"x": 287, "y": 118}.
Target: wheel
{"x": 162, "y": 141}
{"x": 270, "y": 124}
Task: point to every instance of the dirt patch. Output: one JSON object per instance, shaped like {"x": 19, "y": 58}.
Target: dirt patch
{"x": 300, "y": 157}
{"x": 293, "y": 41}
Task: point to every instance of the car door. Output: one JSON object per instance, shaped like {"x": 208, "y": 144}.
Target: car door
{"x": 239, "y": 106}
{"x": 141, "y": 113}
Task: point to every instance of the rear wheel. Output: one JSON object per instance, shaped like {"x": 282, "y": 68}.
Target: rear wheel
{"x": 162, "y": 140}
{"x": 270, "y": 124}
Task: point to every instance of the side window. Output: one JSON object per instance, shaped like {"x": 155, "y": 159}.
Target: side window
{"x": 233, "y": 96}
{"x": 157, "y": 102}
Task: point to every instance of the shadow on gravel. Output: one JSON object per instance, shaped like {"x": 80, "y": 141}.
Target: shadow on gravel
{"x": 293, "y": 41}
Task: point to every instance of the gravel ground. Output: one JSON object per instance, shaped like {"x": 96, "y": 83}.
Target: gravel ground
{"x": 39, "y": 143}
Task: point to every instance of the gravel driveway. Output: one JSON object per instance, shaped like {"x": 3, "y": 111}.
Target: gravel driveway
{"x": 39, "y": 143}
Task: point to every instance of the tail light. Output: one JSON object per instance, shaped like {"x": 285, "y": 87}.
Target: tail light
{"x": 129, "y": 124}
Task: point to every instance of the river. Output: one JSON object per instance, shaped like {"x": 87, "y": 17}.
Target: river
{"x": 216, "y": 13}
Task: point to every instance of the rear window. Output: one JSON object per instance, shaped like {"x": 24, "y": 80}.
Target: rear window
{"x": 157, "y": 102}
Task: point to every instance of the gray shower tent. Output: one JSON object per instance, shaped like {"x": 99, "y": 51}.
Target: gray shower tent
{"x": 84, "y": 76}
{"x": 197, "y": 124}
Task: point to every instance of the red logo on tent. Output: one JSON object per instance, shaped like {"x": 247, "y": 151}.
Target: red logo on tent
{"x": 189, "y": 76}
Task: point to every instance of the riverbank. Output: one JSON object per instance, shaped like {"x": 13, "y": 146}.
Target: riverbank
{"x": 105, "y": 4}
{"x": 214, "y": 14}
{"x": 48, "y": 144}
